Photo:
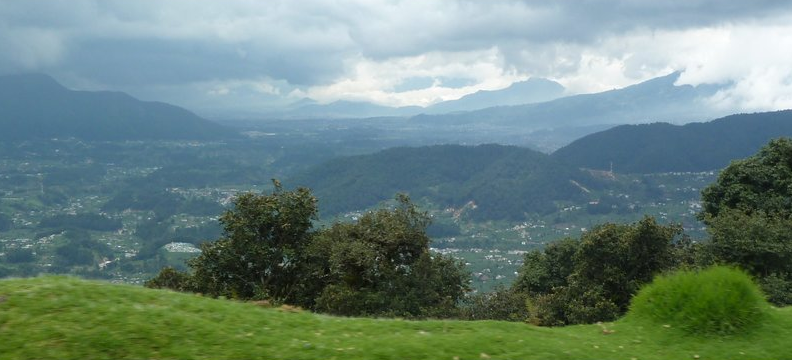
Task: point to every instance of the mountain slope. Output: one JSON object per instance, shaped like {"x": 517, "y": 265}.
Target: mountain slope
{"x": 533, "y": 90}
{"x": 662, "y": 147}
{"x": 654, "y": 100}
{"x": 66, "y": 318}
{"x": 36, "y": 106}
{"x": 505, "y": 182}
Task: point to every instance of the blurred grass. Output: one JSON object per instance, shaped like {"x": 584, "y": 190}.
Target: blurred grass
{"x": 68, "y": 318}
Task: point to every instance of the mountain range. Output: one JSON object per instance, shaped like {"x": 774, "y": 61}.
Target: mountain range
{"x": 35, "y": 106}
{"x": 533, "y": 90}
{"x": 529, "y": 91}
{"x": 658, "y": 99}
{"x": 506, "y": 182}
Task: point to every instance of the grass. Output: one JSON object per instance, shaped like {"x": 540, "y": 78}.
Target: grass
{"x": 716, "y": 301}
{"x": 68, "y": 318}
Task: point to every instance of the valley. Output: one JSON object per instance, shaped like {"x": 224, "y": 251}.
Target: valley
{"x": 148, "y": 194}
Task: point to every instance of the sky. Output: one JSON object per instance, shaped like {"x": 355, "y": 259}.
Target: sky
{"x": 249, "y": 56}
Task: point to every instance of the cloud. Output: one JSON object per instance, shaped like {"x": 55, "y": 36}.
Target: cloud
{"x": 30, "y": 48}
{"x": 756, "y": 60}
{"x": 380, "y": 81}
{"x": 196, "y": 52}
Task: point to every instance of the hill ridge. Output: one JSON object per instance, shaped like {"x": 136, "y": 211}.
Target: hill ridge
{"x": 663, "y": 147}
{"x": 503, "y": 181}
{"x": 36, "y": 106}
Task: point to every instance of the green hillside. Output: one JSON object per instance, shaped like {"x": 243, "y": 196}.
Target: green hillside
{"x": 662, "y": 147}
{"x": 34, "y": 106}
{"x": 66, "y": 318}
{"x": 504, "y": 182}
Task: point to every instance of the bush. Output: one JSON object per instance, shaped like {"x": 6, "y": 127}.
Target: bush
{"x": 572, "y": 304}
{"x": 777, "y": 288}
{"x": 500, "y": 304}
{"x": 170, "y": 278}
{"x": 715, "y": 301}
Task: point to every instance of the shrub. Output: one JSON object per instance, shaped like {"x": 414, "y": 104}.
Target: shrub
{"x": 573, "y": 304}
{"x": 777, "y": 288}
{"x": 500, "y": 304}
{"x": 715, "y": 301}
{"x": 170, "y": 278}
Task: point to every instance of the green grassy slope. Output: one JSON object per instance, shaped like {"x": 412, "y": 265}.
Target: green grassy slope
{"x": 66, "y": 318}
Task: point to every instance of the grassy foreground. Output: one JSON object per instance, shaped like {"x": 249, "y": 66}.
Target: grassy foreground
{"x": 67, "y": 318}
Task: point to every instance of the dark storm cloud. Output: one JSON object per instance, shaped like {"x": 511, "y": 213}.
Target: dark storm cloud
{"x": 145, "y": 61}
{"x": 464, "y": 25}
{"x": 130, "y": 44}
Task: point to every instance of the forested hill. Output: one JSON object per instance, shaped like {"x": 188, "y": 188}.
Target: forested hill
{"x": 504, "y": 182}
{"x": 36, "y": 106}
{"x": 662, "y": 147}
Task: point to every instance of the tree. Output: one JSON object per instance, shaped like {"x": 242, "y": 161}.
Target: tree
{"x": 547, "y": 268}
{"x": 261, "y": 252}
{"x": 593, "y": 279}
{"x": 748, "y": 211}
{"x": 760, "y": 183}
{"x": 381, "y": 265}
{"x": 621, "y": 258}
{"x": 170, "y": 278}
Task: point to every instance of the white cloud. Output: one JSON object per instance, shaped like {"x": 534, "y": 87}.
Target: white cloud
{"x": 756, "y": 59}
{"x": 375, "y": 81}
{"x": 753, "y": 57}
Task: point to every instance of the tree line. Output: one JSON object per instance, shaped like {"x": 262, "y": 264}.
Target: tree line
{"x": 748, "y": 215}
{"x": 381, "y": 264}
{"x": 377, "y": 266}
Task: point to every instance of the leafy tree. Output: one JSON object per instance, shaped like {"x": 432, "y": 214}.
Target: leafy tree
{"x": 381, "y": 265}
{"x": 170, "y": 278}
{"x": 548, "y": 268}
{"x": 593, "y": 279}
{"x": 261, "y": 253}
{"x": 749, "y": 216}
{"x": 762, "y": 182}
{"x": 758, "y": 242}
{"x": 620, "y": 258}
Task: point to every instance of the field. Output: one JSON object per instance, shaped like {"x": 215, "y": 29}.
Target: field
{"x": 67, "y": 318}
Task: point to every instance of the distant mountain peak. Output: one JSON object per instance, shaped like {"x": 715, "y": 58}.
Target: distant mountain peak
{"x": 31, "y": 81}
{"x": 35, "y": 106}
{"x": 532, "y": 90}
